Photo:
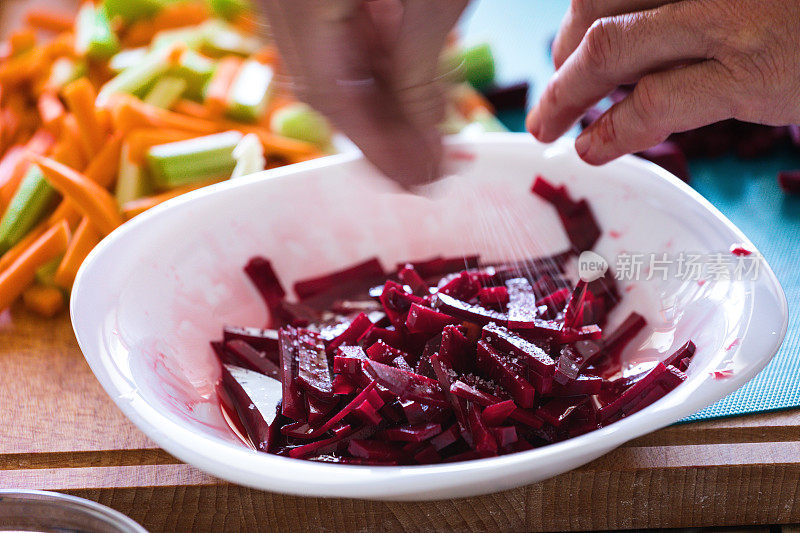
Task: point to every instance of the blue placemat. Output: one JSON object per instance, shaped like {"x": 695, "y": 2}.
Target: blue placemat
{"x": 745, "y": 191}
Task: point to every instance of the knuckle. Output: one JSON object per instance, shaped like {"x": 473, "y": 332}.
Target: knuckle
{"x": 584, "y": 10}
{"x": 602, "y": 44}
{"x": 648, "y": 102}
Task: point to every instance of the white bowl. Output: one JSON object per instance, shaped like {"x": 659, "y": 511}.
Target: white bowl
{"x": 151, "y": 295}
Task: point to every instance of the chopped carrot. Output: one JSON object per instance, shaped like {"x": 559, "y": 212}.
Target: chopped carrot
{"x": 220, "y": 85}
{"x": 43, "y": 300}
{"x": 70, "y": 149}
{"x": 179, "y": 14}
{"x": 267, "y": 55}
{"x": 15, "y": 251}
{"x": 17, "y": 276}
{"x": 130, "y": 113}
{"x": 142, "y": 139}
{"x": 85, "y": 238}
{"x": 39, "y": 143}
{"x": 80, "y": 97}
{"x": 139, "y": 33}
{"x": 103, "y": 168}
{"x": 245, "y": 22}
{"x": 290, "y": 149}
{"x": 65, "y": 211}
{"x": 44, "y": 19}
{"x": 23, "y": 67}
{"x": 22, "y": 40}
{"x": 104, "y": 119}
{"x": 468, "y": 100}
{"x": 193, "y": 109}
{"x": 51, "y": 110}
{"x": 91, "y": 199}
{"x": 140, "y": 205}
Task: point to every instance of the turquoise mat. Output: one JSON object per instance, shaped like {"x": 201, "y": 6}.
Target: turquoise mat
{"x": 745, "y": 191}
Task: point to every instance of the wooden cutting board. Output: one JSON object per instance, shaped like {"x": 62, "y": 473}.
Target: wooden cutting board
{"x": 59, "y": 431}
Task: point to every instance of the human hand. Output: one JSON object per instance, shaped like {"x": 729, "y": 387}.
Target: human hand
{"x": 371, "y": 67}
{"x": 694, "y": 62}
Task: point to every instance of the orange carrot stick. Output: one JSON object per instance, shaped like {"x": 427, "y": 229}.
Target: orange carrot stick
{"x": 277, "y": 144}
{"x": 193, "y": 109}
{"x": 85, "y": 238}
{"x": 39, "y": 143}
{"x": 103, "y": 168}
{"x": 142, "y": 139}
{"x": 65, "y": 211}
{"x": 131, "y": 113}
{"x": 140, "y": 205}
{"x": 44, "y": 19}
{"x": 80, "y": 97}
{"x": 20, "y": 273}
{"x": 51, "y": 110}
{"x": 22, "y": 40}
{"x": 91, "y": 199}
{"x": 70, "y": 148}
{"x": 179, "y": 14}
{"x": 267, "y": 55}
{"x": 43, "y": 300}
{"x": 15, "y": 251}
{"x": 220, "y": 85}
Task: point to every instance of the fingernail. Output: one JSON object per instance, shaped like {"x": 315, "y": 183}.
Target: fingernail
{"x": 533, "y": 124}
{"x": 582, "y": 145}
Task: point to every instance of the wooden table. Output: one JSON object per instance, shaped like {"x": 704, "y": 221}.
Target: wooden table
{"x": 59, "y": 431}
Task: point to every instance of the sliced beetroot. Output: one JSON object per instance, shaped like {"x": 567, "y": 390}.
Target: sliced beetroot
{"x": 483, "y": 439}
{"x": 570, "y": 364}
{"x": 417, "y": 433}
{"x": 319, "y": 410}
{"x": 576, "y": 217}
{"x": 323, "y": 445}
{"x": 789, "y": 181}
{"x": 554, "y": 301}
{"x": 556, "y": 411}
{"x": 313, "y": 373}
{"x": 496, "y": 413}
{"x": 685, "y": 351}
{"x": 409, "y": 276}
{"x": 264, "y": 340}
{"x": 573, "y": 311}
{"x": 558, "y": 197}
{"x": 465, "y": 311}
{"x": 368, "y": 413}
{"x": 422, "y": 319}
{"x": 375, "y": 450}
{"x": 521, "y": 301}
{"x": 342, "y": 386}
{"x": 463, "y": 287}
{"x": 445, "y": 376}
{"x": 493, "y": 297}
{"x": 262, "y": 275}
{"x": 406, "y": 385}
{"x": 357, "y": 327}
{"x": 583, "y": 385}
{"x": 634, "y": 394}
{"x": 247, "y": 388}
{"x": 468, "y": 392}
{"x": 456, "y": 349}
{"x": 683, "y": 366}
{"x": 427, "y": 455}
{"x": 243, "y": 354}
{"x": 505, "y": 435}
{"x": 293, "y": 405}
{"x": 367, "y": 269}
{"x": 438, "y": 266}
{"x": 446, "y": 438}
{"x": 529, "y": 353}
{"x": 618, "y": 339}
{"x": 493, "y": 364}
{"x": 383, "y": 353}
{"x": 374, "y": 334}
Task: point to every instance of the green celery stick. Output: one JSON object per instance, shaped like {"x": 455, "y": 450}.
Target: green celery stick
{"x": 132, "y": 180}
{"x": 131, "y": 10}
{"x": 136, "y": 79}
{"x": 196, "y": 70}
{"x": 249, "y": 156}
{"x": 299, "y": 121}
{"x": 126, "y": 59}
{"x": 64, "y": 71}
{"x": 93, "y": 34}
{"x": 223, "y": 39}
{"x": 194, "y": 37}
{"x": 250, "y": 92}
{"x": 166, "y": 92}
{"x": 27, "y": 207}
{"x": 228, "y": 9}
{"x": 474, "y": 64}
{"x": 45, "y": 273}
{"x": 194, "y": 160}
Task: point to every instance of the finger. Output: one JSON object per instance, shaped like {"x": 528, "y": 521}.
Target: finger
{"x": 615, "y": 51}
{"x": 582, "y": 14}
{"x": 662, "y": 103}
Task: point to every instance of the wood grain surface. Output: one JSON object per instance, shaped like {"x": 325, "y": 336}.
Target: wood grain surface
{"x": 59, "y": 431}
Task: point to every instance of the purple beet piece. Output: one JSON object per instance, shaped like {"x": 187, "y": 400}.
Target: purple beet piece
{"x": 374, "y": 334}
{"x": 319, "y": 410}
{"x": 669, "y": 156}
{"x": 411, "y": 277}
{"x": 405, "y": 384}
{"x": 569, "y": 365}
{"x": 348, "y": 360}
{"x": 616, "y": 341}
{"x": 396, "y": 302}
{"x": 255, "y": 398}
{"x": 375, "y": 450}
{"x": 556, "y": 411}
{"x": 505, "y": 435}
{"x": 353, "y": 306}
{"x": 357, "y": 327}
{"x": 367, "y": 269}
{"x": 605, "y": 287}
{"x": 789, "y": 181}
{"x": 438, "y": 266}
{"x": 527, "y": 352}
{"x": 465, "y": 311}
{"x": 683, "y": 366}
{"x": 383, "y": 353}
{"x": 513, "y": 96}
{"x": 496, "y": 413}
{"x": 469, "y": 455}
{"x": 297, "y": 314}
{"x": 417, "y": 433}
{"x": 446, "y": 437}
{"x": 293, "y": 405}
{"x": 456, "y": 350}
{"x": 468, "y": 392}
{"x": 360, "y": 398}
{"x": 322, "y": 445}
{"x": 581, "y": 226}
{"x": 483, "y": 440}
{"x": 583, "y": 385}
{"x": 367, "y": 413}
{"x": 243, "y": 354}
{"x": 313, "y": 373}
{"x": 634, "y": 393}
{"x": 537, "y": 329}
{"x": 521, "y": 301}
{"x": 427, "y": 455}
{"x": 527, "y": 417}
{"x": 264, "y": 340}
{"x": 422, "y": 319}
{"x": 493, "y": 297}
{"x": 558, "y": 197}
{"x": 492, "y": 363}
{"x": 261, "y": 274}
{"x": 555, "y": 301}
{"x": 341, "y": 385}
{"x": 445, "y": 376}
{"x": 463, "y": 287}
{"x": 687, "y": 350}
{"x": 574, "y": 308}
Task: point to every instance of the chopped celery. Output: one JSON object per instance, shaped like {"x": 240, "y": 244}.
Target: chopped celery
{"x": 126, "y": 59}
{"x": 26, "y": 208}
{"x": 299, "y": 121}
{"x": 134, "y": 9}
{"x": 228, "y": 9}
{"x": 166, "y": 92}
{"x": 136, "y": 79}
{"x": 194, "y": 37}
{"x": 224, "y": 39}
{"x": 474, "y": 64}
{"x": 64, "y": 71}
{"x": 132, "y": 181}
{"x": 93, "y": 34}
{"x": 194, "y": 160}
{"x": 250, "y": 92}
{"x": 45, "y": 273}
{"x": 249, "y": 156}
{"x": 196, "y": 70}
